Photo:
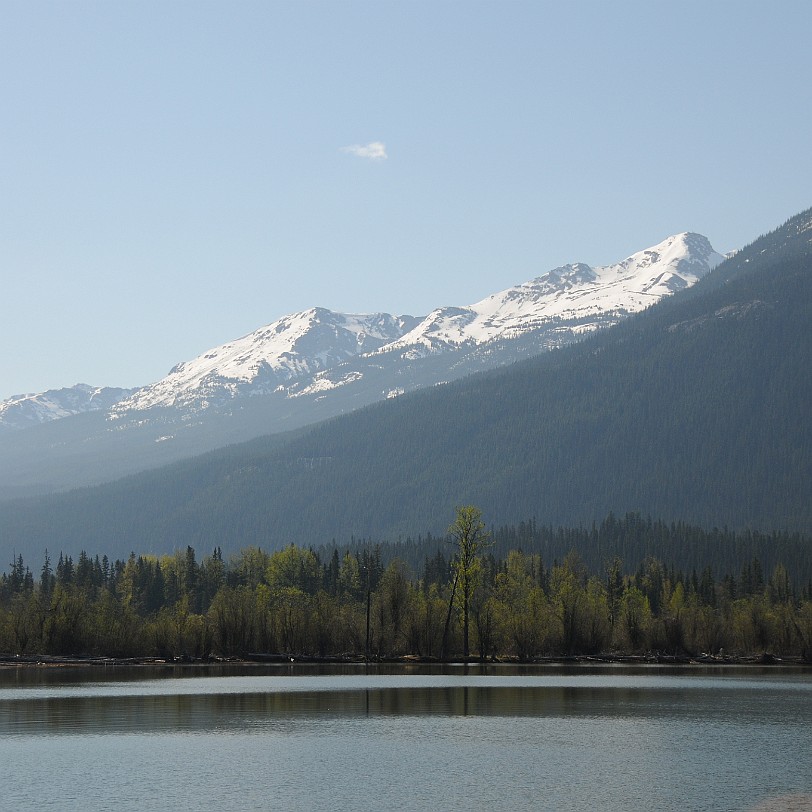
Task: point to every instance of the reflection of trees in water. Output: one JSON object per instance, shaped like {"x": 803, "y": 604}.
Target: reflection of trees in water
{"x": 224, "y": 711}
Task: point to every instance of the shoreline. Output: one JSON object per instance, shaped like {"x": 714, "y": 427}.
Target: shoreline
{"x": 260, "y": 659}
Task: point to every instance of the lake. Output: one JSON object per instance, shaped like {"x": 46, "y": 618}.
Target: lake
{"x": 298, "y": 737}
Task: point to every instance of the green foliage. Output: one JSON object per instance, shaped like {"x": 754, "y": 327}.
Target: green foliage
{"x": 293, "y": 568}
{"x": 298, "y": 601}
{"x": 469, "y": 537}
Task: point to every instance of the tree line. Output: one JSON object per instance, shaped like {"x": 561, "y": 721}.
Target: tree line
{"x": 462, "y": 600}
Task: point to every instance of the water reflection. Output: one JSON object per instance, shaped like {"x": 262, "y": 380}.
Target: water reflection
{"x": 223, "y": 703}
{"x": 405, "y": 739}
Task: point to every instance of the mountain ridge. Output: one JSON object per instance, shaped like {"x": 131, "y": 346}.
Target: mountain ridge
{"x": 694, "y": 410}
{"x": 569, "y": 294}
{"x": 304, "y": 353}
{"x": 21, "y": 411}
{"x": 317, "y": 364}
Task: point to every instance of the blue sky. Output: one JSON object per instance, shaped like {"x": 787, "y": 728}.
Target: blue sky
{"x": 177, "y": 174}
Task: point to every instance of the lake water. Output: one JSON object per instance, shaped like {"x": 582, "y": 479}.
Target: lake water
{"x": 402, "y": 738}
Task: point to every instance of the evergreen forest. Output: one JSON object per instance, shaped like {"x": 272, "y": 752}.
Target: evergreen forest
{"x": 626, "y": 586}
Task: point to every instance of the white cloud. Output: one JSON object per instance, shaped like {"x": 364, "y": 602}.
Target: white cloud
{"x": 374, "y": 151}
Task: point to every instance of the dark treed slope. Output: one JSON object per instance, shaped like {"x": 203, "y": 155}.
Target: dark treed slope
{"x": 696, "y": 410}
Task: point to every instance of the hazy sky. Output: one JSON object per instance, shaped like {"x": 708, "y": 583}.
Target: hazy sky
{"x": 176, "y": 174}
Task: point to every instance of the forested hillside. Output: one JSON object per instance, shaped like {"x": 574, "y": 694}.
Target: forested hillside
{"x": 696, "y": 410}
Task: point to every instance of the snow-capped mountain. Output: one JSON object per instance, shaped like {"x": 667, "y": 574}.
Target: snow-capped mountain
{"x": 310, "y": 366}
{"x": 314, "y": 352}
{"x": 300, "y": 361}
{"x": 295, "y": 346}
{"x": 575, "y": 294}
{"x": 22, "y": 411}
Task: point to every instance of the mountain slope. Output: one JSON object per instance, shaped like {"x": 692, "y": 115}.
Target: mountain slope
{"x": 317, "y": 364}
{"x": 695, "y": 410}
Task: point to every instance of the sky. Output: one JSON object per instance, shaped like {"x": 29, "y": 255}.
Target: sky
{"x": 176, "y": 174}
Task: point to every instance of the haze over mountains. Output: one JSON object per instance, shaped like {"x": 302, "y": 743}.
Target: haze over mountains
{"x": 318, "y": 363}
{"x": 696, "y": 409}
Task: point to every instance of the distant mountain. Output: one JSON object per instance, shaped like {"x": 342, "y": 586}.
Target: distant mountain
{"x": 312, "y": 353}
{"x": 694, "y": 410}
{"x": 23, "y": 411}
{"x": 317, "y": 364}
{"x": 568, "y": 301}
{"x": 296, "y": 346}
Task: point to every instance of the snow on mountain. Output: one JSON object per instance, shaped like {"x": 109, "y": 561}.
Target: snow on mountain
{"x": 297, "y": 345}
{"x": 313, "y": 353}
{"x": 308, "y": 353}
{"x": 22, "y": 411}
{"x": 592, "y": 297}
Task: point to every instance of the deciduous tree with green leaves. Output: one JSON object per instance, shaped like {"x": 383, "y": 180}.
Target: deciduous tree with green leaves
{"x": 469, "y": 536}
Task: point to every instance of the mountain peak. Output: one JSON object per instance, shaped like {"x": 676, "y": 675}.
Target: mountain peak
{"x": 296, "y": 345}
{"x": 296, "y": 354}
{"x": 565, "y": 302}
{"x": 568, "y": 300}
